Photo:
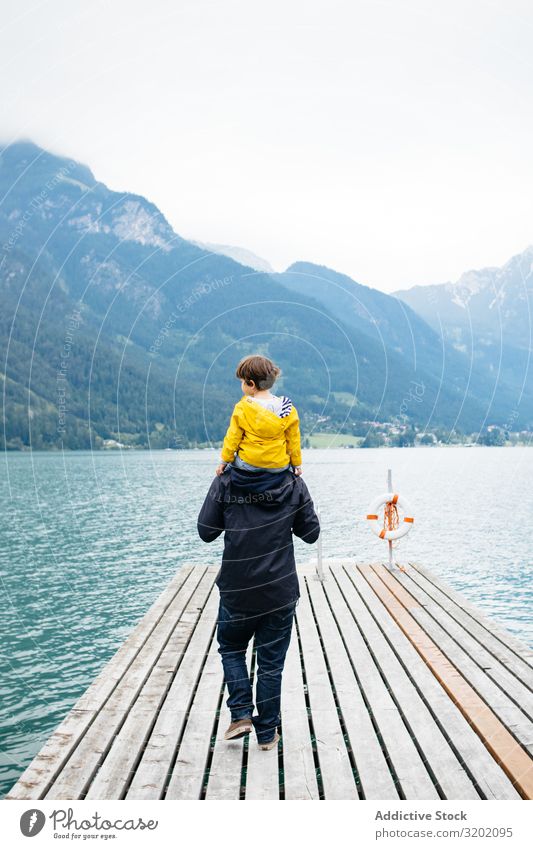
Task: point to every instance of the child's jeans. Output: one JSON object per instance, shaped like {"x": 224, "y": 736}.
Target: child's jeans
{"x": 240, "y": 464}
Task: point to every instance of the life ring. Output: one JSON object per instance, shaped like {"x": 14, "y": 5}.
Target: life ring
{"x": 373, "y": 518}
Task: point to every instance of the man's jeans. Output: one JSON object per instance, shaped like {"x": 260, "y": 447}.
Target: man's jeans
{"x": 272, "y": 637}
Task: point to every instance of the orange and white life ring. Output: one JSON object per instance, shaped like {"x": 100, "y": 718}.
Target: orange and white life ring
{"x": 373, "y": 517}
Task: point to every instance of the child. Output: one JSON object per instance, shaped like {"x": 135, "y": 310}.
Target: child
{"x": 264, "y": 431}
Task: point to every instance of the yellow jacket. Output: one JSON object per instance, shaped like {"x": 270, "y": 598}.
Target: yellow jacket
{"x": 261, "y": 437}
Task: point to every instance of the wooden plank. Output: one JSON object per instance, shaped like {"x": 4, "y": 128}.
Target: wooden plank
{"x": 187, "y": 775}
{"x": 489, "y": 664}
{"x": 435, "y": 760}
{"x": 515, "y": 664}
{"x": 150, "y": 779}
{"x": 177, "y": 659}
{"x": 509, "y": 713}
{"x": 472, "y": 754}
{"x": 103, "y": 736}
{"x": 37, "y": 778}
{"x": 262, "y": 772}
{"x": 405, "y": 759}
{"x": 512, "y": 757}
{"x": 118, "y": 666}
{"x": 300, "y": 781}
{"x": 262, "y": 769}
{"x": 335, "y": 769}
{"x": 520, "y": 648}
{"x": 374, "y": 773}
{"x": 226, "y": 766}
{"x": 77, "y": 773}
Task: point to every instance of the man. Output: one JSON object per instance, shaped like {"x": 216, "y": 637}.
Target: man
{"x": 259, "y": 512}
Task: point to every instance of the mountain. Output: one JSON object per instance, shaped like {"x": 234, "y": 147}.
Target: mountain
{"x": 401, "y": 325}
{"x": 241, "y": 255}
{"x": 487, "y": 314}
{"x": 493, "y": 300}
{"x": 381, "y": 316}
{"x": 113, "y": 327}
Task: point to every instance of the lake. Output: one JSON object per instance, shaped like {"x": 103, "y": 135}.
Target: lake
{"x": 89, "y": 540}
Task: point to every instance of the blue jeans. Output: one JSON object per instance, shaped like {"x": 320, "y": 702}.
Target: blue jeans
{"x": 272, "y": 637}
{"x": 240, "y": 464}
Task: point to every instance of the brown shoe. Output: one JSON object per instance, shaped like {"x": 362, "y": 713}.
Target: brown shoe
{"x": 267, "y": 746}
{"x": 238, "y": 729}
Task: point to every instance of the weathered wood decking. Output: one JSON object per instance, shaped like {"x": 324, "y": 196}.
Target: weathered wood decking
{"x": 394, "y": 688}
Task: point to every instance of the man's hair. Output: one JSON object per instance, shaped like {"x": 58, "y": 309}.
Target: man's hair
{"x": 260, "y": 369}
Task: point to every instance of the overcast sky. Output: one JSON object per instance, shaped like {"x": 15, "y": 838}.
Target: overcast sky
{"x": 389, "y": 139}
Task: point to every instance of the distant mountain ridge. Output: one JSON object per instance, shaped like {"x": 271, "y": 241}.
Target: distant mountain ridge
{"x": 492, "y": 299}
{"x": 241, "y": 255}
{"x": 162, "y": 322}
{"x": 487, "y": 313}
{"x": 395, "y": 323}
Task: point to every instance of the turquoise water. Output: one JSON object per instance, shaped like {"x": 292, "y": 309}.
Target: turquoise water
{"x": 90, "y": 540}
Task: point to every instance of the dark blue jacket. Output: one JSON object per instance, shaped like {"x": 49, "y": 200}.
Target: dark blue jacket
{"x": 259, "y": 513}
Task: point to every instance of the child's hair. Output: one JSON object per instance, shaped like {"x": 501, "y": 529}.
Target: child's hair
{"x": 260, "y": 369}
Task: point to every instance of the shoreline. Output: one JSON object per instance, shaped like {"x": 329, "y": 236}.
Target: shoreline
{"x": 139, "y": 450}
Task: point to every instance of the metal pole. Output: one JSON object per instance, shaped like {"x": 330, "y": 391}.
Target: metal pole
{"x": 319, "y": 567}
{"x": 389, "y": 489}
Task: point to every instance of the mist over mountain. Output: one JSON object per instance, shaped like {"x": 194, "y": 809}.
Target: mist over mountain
{"x": 113, "y": 327}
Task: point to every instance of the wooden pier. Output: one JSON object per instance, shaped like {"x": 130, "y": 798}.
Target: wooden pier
{"x": 395, "y": 687}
